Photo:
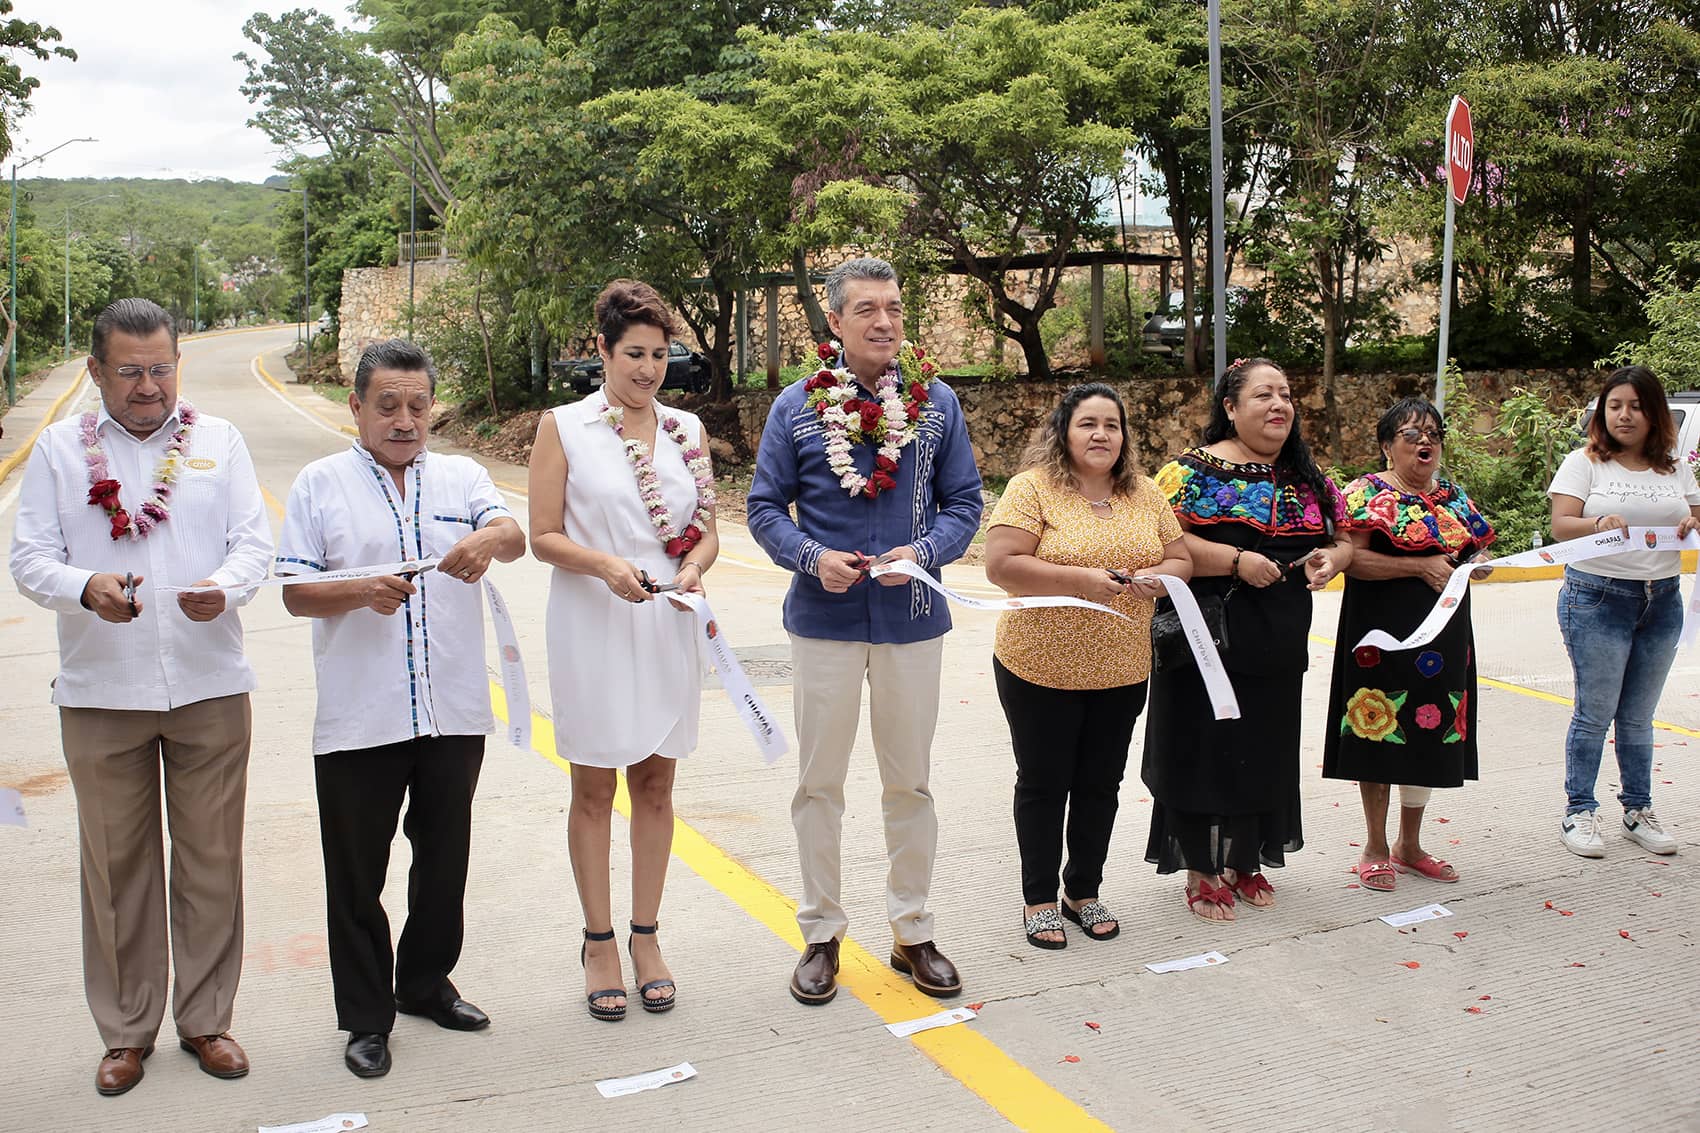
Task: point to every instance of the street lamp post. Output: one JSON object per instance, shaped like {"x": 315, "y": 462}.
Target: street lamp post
{"x": 68, "y": 207}
{"x": 12, "y": 290}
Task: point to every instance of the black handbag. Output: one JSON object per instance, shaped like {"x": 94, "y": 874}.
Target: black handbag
{"x": 1169, "y": 648}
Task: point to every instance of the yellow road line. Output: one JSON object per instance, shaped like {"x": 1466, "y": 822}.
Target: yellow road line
{"x": 1535, "y": 693}
{"x": 1019, "y": 1095}
{"x": 260, "y": 366}
{"x": 1022, "y": 1097}
{"x": 11, "y": 463}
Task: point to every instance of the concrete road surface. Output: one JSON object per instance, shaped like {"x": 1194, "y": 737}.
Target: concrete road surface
{"x": 1508, "y": 1015}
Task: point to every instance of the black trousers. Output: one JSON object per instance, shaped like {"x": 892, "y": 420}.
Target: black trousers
{"x": 360, "y": 795}
{"x": 1070, "y": 753}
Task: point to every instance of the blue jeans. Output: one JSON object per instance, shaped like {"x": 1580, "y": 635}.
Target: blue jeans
{"x": 1621, "y": 635}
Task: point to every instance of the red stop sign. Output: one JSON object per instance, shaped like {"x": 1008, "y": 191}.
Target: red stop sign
{"x": 1460, "y": 148}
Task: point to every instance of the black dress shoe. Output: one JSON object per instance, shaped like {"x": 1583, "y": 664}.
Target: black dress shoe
{"x": 368, "y": 1056}
{"x": 456, "y": 1015}
{"x": 815, "y": 981}
{"x": 926, "y": 965}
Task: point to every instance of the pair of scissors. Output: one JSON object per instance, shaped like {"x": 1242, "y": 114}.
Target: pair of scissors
{"x": 130, "y": 593}
{"x": 653, "y": 586}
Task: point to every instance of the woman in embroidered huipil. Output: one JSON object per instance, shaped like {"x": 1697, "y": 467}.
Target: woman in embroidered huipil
{"x": 1254, "y": 507}
{"x": 1405, "y": 717}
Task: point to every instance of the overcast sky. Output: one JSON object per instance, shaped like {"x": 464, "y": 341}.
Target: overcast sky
{"x": 155, "y": 82}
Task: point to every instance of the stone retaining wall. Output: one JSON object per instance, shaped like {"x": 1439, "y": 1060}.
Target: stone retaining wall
{"x": 374, "y": 305}
{"x": 1166, "y": 415}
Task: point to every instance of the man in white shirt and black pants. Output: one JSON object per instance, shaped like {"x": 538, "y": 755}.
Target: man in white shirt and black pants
{"x": 143, "y": 493}
{"x": 404, "y": 700}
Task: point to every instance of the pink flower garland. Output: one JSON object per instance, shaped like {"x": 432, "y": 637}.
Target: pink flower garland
{"x": 103, "y": 489}
{"x": 675, "y": 542}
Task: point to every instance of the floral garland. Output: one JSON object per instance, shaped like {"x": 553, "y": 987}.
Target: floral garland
{"x": 103, "y": 489}
{"x": 888, "y": 422}
{"x": 675, "y": 541}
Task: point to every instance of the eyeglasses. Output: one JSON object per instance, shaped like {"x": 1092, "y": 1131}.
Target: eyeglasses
{"x": 1418, "y": 436}
{"x": 159, "y": 371}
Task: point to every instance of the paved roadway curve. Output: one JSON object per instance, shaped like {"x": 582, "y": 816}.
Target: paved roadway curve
{"x": 1314, "y": 1024}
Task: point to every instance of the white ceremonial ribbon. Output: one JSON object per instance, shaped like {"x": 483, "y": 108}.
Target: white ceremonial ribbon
{"x": 347, "y": 574}
{"x": 1593, "y": 546}
{"x": 514, "y": 686}
{"x": 1216, "y": 683}
{"x": 756, "y": 716}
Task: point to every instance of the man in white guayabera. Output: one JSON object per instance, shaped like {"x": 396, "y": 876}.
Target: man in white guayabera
{"x": 143, "y": 493}
{"x": 404, "y": 702}
{"x": 874, "y": 455}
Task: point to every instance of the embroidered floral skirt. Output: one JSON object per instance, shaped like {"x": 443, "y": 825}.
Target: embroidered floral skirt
{"x": 1405, "y": 717}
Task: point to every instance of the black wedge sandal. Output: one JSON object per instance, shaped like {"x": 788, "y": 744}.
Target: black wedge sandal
{"x": 665, "y": 1002}
{"x": 606, "y": 1014}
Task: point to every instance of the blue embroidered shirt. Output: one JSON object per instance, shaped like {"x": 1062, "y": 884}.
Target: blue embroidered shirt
{"x": 934, "y": 508}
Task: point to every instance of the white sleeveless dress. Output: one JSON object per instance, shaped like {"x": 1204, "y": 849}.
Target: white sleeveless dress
{"x": 625, "y": 677}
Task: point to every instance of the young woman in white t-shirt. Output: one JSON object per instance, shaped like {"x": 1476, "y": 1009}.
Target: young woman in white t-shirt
{"x": 1620, "y": 615}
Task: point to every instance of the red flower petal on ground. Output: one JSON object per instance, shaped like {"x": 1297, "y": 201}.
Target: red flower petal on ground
{"x": 1651, "y": 893}
{"x": 1566, "y": 913}
{"x": 1460, "y": 935}
{"x": 1549, "y": 904}
{"x": 1094, "y": 1026}
{"x": 1484, "y": 998}
{"x": 1575, "y": 964}
{"x": 1410, "y": 964}
{"x": 1472, "y": 1010}
{"x": 1623, "y": 932}
{"x": 975, "y": 1007}
{"x": 1353, "y": 885}
{"x": 1069, "y": 1058}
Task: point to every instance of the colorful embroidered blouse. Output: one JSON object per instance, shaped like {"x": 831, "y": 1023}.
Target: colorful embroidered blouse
{"x": 1443, "y": 521}
{"x": 1203, "y": 489}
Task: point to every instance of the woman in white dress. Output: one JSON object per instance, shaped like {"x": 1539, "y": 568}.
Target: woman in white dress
{"x": 622, "y": 501}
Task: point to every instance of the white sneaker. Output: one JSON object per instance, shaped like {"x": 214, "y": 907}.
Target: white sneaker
{"x": 1643, "y": 826}
{"x": 1580, "y": 833}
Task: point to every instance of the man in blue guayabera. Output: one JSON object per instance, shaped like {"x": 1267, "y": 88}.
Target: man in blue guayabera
{"x": 874, "y": 455}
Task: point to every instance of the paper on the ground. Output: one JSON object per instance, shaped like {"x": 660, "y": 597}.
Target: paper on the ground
{"x": 12, "y": 807}
{"x": 335, "y": 1123}
{"x": 1417, "y": 916}
{"x": 943, "y": 1019}
{"x": 637, "y": 1083}
{"x": 1206, "y": 960}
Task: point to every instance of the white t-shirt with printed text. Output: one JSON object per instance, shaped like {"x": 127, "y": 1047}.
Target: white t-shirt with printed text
{"x": 1647, "y": 498}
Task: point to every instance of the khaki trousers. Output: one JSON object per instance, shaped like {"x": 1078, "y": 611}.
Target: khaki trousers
{"x": 903, "y": 705}
{"x": 115, "y": 759}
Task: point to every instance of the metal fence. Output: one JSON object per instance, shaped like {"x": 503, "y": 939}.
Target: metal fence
{"x": 413, "y": 246}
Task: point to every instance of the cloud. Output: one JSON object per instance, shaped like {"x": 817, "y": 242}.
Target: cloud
{"x": 157, "y": 84}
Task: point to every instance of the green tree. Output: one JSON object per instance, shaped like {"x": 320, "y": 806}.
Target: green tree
{"x": 27, "y": 37}
{"x": 991, "y": 139}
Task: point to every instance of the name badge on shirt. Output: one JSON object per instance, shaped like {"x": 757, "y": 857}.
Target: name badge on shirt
{"x": 201, "y": 463}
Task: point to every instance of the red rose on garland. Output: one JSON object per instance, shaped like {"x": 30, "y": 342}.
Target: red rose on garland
{"x": 870, "y": 416}
{"x": 102, "y": 491}
{"x": 120, "y": 523}
{"x": 825, "y": 352}
{"x": 918, "y": 392}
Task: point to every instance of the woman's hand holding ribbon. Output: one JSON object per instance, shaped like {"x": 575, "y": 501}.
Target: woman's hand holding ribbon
{"x": 1259, "y": 570}
{"x": 1097, "y": 585}
{"x": 1434, "y": 570}
{"x": 1145, "y": 585}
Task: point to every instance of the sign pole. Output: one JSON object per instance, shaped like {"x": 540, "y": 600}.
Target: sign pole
{"x": 1445, "y": 305}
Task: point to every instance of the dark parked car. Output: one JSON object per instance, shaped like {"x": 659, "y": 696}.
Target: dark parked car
{"x": 686, "y": 370}
{"x": 1165, "y": 331}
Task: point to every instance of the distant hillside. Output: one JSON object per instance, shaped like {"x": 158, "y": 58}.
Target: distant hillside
{"x": 227, "y": 203}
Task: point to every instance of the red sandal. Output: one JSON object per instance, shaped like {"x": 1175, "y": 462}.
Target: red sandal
{"x": 1427, "y": 866}
{"x": 1369, "y": 872}
{"x": 1221, "y": 896}
{"x": 1249, "y": 885}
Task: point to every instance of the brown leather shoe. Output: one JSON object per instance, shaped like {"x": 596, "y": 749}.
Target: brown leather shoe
{"x": 815, "y": 981}
{"x": 926, "y": 965}
{"x": 219, "y": 1055}
{"x": 120, "y": 1069}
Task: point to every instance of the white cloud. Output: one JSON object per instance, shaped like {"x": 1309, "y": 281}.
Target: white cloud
{"x": 156, "y": 83}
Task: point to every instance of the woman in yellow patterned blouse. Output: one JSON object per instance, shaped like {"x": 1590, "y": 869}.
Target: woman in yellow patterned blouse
{"x": 1079, "y": 520}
